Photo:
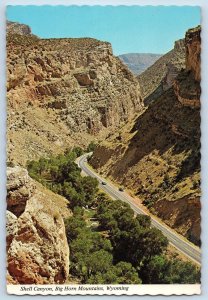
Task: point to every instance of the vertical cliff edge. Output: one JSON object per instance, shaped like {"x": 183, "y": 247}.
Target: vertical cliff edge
{"x": 63, "y": 92}
{"x": 158, "y": 154}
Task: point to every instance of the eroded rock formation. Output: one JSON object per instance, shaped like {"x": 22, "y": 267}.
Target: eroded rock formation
{"x": 20, "y": 188}
{"x": 16, "y": 28}
{"x": 193, "y": 51}
{"x": 63, "y": 92}
{"x": 187, "y": 84}
{"x": 37, "y": 249}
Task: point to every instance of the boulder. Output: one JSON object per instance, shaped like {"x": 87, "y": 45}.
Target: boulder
{"x": 20, "y": 188}
{"x": 37, "y": 248}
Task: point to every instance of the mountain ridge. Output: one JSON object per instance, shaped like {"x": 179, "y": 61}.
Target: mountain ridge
{"x": 139, "y": 62}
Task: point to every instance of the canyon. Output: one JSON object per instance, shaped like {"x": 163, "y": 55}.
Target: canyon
{"x": 61, "y": 93}
{"x": 64, "y": 93}
{"x": 158, "y": 154}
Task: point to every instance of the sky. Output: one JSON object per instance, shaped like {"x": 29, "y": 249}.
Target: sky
{"x": 130, "y": 29}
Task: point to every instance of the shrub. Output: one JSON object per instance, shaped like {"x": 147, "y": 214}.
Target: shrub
{"x": 91, "y": 147}
{"x": 62, "y": 175}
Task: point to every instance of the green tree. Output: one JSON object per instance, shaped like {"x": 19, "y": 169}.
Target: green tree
{"x": 99, "y": 278}
{"x": 161, "y": 270}
{"x": 113, "y": 214}
{"x": 143, "y": 221}
{"x": 90, "y": 187}
{"x": 87, "y": 259}
{"x": 99, "y": 262}
{"x": 122, "y": 273}
{"x": 75, "y": 199}
{"x": 135, "y": 235}
{"x": 126, "y": 274}
{"x": 91, "y": 147}
{"x": 184, "y": 272}
{"x": 156, "y": 270}
{"x": 78, "y": 151}
{"x": 74, "y": 225}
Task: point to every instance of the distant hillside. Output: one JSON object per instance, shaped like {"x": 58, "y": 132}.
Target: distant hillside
{"x": 139, "y": 62}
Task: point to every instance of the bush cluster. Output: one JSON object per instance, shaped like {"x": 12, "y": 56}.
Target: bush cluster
{"x": 62, "y": 175}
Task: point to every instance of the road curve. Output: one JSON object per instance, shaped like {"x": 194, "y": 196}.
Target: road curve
{"x": 178, "y": 241}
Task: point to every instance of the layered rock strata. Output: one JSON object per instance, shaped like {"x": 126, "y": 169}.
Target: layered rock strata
{"x": 63, "y": 92}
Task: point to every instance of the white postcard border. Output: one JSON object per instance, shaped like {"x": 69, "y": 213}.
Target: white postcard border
{"x": 144, "y": 289}
{"x": 118, "y": 290}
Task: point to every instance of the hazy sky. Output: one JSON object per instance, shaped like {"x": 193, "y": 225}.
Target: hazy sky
{"x": 130, "y": 29}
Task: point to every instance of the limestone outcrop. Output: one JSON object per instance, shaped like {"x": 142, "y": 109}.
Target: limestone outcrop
{"x": 77, "y": 88}
{"x": 187, "y": 84}
{"x": 20, "y": 189}
{"x": 37, "y": 249}
{"x": 187, "y": 89}
{"x": 193, "y": 51}
{"x": 17, "y": 28}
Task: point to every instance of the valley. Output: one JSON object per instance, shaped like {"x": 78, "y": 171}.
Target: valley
{"x": 178, "y": 241}
{"x": 157, "y": 155}
{"x": 68, "y": 97}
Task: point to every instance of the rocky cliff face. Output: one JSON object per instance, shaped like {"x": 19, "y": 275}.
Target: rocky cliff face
{"x": 187, "y": 84}
{"x": 37, "y": 249}
{"x": 16, "y": 28}
{"x": 161, "y": 75}
{"x": 158, "y": 154}
{"x": 63, "y": 92}
{"x": 193, "y": 52}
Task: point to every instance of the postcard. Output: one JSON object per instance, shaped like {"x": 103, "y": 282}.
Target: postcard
{"x": 103, "y": 150}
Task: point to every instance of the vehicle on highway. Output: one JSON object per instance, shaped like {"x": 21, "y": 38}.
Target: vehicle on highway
{"x": 178, "y": 242}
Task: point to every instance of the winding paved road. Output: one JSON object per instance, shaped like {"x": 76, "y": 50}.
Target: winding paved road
{"x": 179, "y": 242}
